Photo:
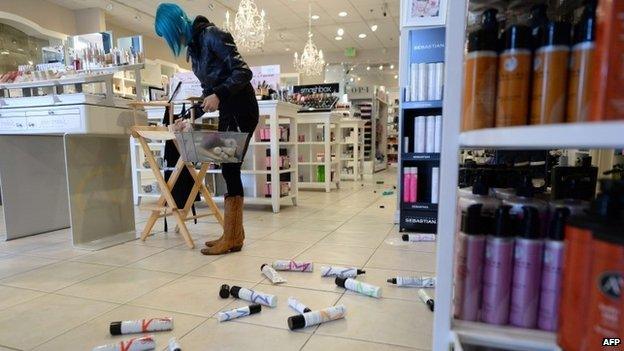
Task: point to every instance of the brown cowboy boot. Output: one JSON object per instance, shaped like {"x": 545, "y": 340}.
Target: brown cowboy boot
{"x": 228, "y": 206}
{"x": 233, "y": 234}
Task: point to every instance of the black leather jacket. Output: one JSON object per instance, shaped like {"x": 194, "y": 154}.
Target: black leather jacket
{"x": 216, "y": 61}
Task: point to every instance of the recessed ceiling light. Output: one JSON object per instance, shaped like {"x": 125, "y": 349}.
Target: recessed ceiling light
{"x": 362, "y": 36}
{"x": 338, "y": 38}
{"x": 359, "y": 79}
{"x": 287, "y": 49}
{"x": 351, "y": 79}
{"x": 315, "y": 17}
{"x": 374, "y": 27}
{"x": 368, "y": 68}
{"x": 109, "y": 6}
{"x": 381, "y": 67}
{"x": 340, "y": 31}
{"x": 396, "y": 76}
{"x": 391, "y": 66}
{"x": 342, "y": 14}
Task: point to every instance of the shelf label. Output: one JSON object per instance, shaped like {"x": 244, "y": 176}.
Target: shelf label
{"x": 427, "y": 45}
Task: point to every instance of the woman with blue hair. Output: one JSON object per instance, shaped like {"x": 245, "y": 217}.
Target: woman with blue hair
{"x": 225, "y": 79}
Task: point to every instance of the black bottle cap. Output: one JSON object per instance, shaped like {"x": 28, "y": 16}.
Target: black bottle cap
{"x": 234, "y": 291}
{"x": 517, "y": 36}
{"x": 405, "y": 237}
{"x": 471, "y": 220}
{"x": 480, "y": 186}
{"x": 585, "y": 29}
{"x": 557, "y": 226}
{"x": 555, "y": 33}
{"x": 296, "y": 322}
{"x": 255, "y": 308}
{"x": 341, "y": 281}
{"x": 502, "y": 222}
{"x": 224, "y": 292}
{"x": 486, "y": 37}
{"x": 360, "y": 271}
{"x": 391, "y": 280}
{"x": 115, "y": 328}
{"x": 526, "y": 188}
{"x": 530, "y": 228}
{"x": 262, "y": 266}
{"x": 431, "y": 304}
{"x": 539, "y": 18}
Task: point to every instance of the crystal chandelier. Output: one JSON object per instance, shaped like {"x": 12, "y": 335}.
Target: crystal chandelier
{"x": 249, "y": 27}
{"x": 311, "y": 62}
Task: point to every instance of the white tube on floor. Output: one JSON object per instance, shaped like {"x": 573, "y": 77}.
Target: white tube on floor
{"x": 316, "y": 317}
{"x": 144, "y": 343}
{"x": 430, "y": 134}
{"x": 141, "y": 326}
{"x": 272, "y": 274}
{"x": 422, "y": 82}
{"x": 431, "y": 81}
{"x": 174, "y": 345}
{"x": 414, "y": 282}
{"x": 239, "y": 312}
{"x": 438, "y": 134}
{"x": 439, "y": 80}
{"x": 288, "y": 265}
{"x": 420, "y": 134}
{"x": 297, "y": 306}
{"x": 359, "y": 287}
{"x": 419, "y": 237}
{"x": 435, "y": 185}
{"x": 253, "y": 296}
{"x": 344, "y": 272}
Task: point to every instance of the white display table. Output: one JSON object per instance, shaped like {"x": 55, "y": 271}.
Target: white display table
{"x": 354, "y": 146}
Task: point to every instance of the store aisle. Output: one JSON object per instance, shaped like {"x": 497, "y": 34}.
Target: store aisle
{"x": 54, "y": 297}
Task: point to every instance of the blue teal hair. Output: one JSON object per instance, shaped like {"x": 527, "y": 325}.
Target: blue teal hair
{"x": 172, "y": 24}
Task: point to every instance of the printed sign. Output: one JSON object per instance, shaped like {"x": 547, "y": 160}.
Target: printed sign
{"x": 191, "y": 87}
{"x": 317, "y": 89}
{"x": 269, "y": 75}
{"x": 427, "y": 45}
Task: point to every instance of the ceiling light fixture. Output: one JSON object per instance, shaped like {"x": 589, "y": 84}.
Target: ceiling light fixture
{"x": 396, "y": 76}
{"x": 315, "y": 17}
{"x": 374, "y": 27}
{"x": 381, "y": 67}
{"x": 311, "y": 62}
{"x": 391, "y": 66}
{"x": 338, "y": 38}
{"x": 368, "y": 68}
{"x": 359, "y": 79}
{"x": 249, "y": 27}
{"x": 340, "y": 31}
{"x": 109, "y": 7}
{"x": 362, "y": 36}
{"x": 342, "y": 14}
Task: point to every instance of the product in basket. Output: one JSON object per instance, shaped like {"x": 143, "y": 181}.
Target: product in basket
{"x": 145, "y": 343}
{"x": 344, "y": 272}
{"x": 297, "y": 306}
{"x": 272, "y": 274}
{"x": 413, "y": 282}
{"x": 359, "y": 287}
{"x": 288, "y": 265}
{"x": 316, "y": 317}
{"x": 253, "y": 296}
{"x": 239, "y": 312}
{"x": 141, "y": 326}
{"x": 223, "y": 150}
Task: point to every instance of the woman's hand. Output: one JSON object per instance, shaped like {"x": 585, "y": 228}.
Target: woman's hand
{"x": 211, "y": 103}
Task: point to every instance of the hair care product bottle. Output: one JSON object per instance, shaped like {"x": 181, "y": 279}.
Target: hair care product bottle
{"x": 552, "y": 272}
{"x": 480, "y": 195}
{"x": 577, "y": 264}
{"x": 607, "y": 100}
{"x": 407, "y": 174}
{"x": 470, "y": 255}
{"x": 525, "y": 286}
{"x": 525, "y": 193}
{"x": 435, "y": 185}
{"x": 581, "y": 65}
{"x": 480, "y": 66}
{"x": 605, "y": 317}
{"x": 514, "y": 77}
{"x": 550, "y": 74}
{"x": 497, "y": 271}
{"x": 539, "y": 19}
{"x": 414, "y": 185}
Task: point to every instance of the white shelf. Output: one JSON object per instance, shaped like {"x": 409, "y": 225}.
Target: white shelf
{"x": 316, "y": 163}
{"x": 313, "y": 143}
{"x": 572, "y": 135}
{"x": 268, "y": 143}
{"x": 244, "y": 171}
{"x": 474, "y": 333}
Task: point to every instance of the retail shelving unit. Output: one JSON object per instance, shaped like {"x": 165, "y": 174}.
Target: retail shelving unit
{"x": 352, "y": 140}
{"x": 419, "y": 216}
{"x": 447, "y": 331}
{"x": 371, "y": 105}
{"x": 319, "y": 150}
{"x": 392, "y": 132}
{"x": 257, "y": 175}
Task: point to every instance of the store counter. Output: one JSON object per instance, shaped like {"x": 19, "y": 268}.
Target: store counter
{"x": 65, "y": 162}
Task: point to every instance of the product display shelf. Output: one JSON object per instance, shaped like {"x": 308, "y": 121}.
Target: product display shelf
{"x": 255, "y": 174}
{"x": 352, "y": 165}
{"x": 418, "y": 45}
{"x": 320, "y": 165}
{"x": 448, "y": 332}
{"x": 371, "y": 105}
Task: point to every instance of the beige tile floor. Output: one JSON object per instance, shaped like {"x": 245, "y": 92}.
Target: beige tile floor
{"x": 55, "y": 297}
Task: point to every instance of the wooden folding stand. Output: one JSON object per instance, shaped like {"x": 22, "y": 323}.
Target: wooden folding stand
{"x": 166, "y": 205}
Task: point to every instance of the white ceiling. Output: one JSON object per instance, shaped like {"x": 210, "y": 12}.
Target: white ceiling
{"x": 287, "y": 18}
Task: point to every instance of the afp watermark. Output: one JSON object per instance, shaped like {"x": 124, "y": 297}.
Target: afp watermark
{"x": 611, "y": 342}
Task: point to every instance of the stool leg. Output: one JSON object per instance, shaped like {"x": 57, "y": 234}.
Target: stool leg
{"x": 183, "y": 230}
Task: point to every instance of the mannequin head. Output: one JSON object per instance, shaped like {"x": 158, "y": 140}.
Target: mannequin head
{"x": 173, "y": 25}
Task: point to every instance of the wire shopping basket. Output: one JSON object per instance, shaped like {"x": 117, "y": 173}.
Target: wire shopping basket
{"x": 211, "y": 146}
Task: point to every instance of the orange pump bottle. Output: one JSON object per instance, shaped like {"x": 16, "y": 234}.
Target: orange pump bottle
{"x": 581, "y": 66}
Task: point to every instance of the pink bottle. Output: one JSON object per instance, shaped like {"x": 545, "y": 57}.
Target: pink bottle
{"x": 406, "y": 184}
{"x": 414, "y": 185}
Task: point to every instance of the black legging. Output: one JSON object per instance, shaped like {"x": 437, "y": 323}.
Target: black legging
{"x": 237, "y": 113}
